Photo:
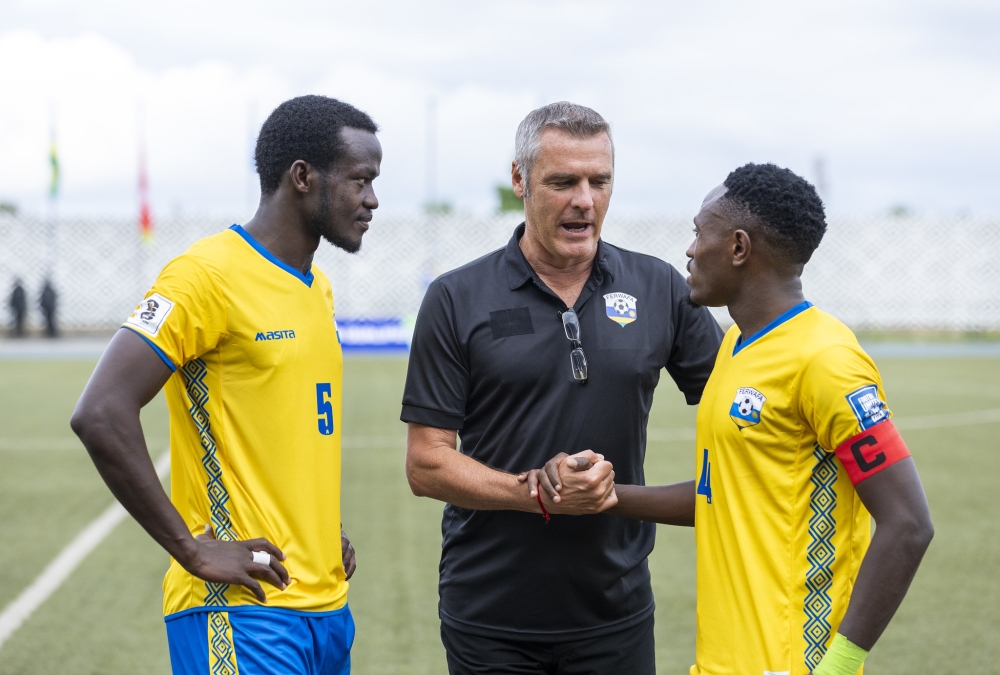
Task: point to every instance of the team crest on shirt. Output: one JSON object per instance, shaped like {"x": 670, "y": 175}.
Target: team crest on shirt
{"x": 747, "y": 407}
{"x": 150, "y": 313}
{"x": 620, "y": 308}
{"x": 867, "y": 406}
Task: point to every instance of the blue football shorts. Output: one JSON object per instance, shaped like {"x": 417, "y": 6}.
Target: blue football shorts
{"x": 252, "y": 640}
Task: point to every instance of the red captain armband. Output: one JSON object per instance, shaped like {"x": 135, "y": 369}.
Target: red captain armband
{"x": 871, "y": 451}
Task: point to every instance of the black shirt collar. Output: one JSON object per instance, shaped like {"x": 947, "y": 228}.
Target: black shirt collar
{"x": 519, "y": 272}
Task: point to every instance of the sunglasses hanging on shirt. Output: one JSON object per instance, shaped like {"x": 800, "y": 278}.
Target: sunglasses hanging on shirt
{"x": 577, "y": 359}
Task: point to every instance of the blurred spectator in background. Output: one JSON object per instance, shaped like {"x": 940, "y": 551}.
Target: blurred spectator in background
{"x": 47, "y": 301}
{"x": 18, "y": 304}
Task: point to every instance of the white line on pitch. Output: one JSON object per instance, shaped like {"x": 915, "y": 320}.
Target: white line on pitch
{"x": 18, "y": 611}
{"x": 57, "y": 571}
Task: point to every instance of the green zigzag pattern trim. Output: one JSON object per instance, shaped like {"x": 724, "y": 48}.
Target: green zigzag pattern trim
{"x": 194, "y": 382}
{"x": 820, "y": 555}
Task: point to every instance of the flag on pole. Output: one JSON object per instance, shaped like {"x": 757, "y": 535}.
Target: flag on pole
{"x": 145, "y": 219}
{"x": 54, "y": 166}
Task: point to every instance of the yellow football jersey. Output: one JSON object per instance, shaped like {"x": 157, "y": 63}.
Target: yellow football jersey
{"x": 255, "y": 405}
{"x": 779, "y": 527}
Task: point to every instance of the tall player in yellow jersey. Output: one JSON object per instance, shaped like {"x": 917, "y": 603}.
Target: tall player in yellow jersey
{"x": 795, "y": 448}
{"x": 241, "y": 331}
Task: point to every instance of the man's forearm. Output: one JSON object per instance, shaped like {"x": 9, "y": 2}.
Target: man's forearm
{"x": 115, "y": 441}
{"x": 667, "y": 504}
{"x": 885, "y": 575}
{"x": 895, "y": 498}
{"x": 445, "y": 474}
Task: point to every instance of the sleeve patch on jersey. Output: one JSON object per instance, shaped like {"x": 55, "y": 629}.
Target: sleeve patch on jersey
{"x": 872, "y": 451}
{"x": 150, "y": 314}
{"x": 867, "y": 406}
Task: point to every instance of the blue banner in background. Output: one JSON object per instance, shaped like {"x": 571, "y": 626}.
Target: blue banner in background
{"x": 385, "y": 335}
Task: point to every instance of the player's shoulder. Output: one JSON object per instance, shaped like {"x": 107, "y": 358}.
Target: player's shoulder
{"x": 826, "y": 339}
{"x": 825, "y": 330}
{"x": 225, "y": 248}
{"x": 224, "y": 255}
{"x": 472, "y": 270}
{"x": 214, "y": 253}
{"x": 203, "y": 269}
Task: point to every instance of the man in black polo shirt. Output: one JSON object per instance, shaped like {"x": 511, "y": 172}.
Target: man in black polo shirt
{"x": 553, "y": 344}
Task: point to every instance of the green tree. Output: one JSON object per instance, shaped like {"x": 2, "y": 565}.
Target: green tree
{"x": 508, "y": 200}
{"x": 439, "y": 208}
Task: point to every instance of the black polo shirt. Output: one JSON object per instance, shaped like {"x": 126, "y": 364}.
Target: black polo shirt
{"x": 490, "y": 359}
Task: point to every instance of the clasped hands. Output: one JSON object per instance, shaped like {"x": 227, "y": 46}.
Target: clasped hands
{"x": 577, "y": 485}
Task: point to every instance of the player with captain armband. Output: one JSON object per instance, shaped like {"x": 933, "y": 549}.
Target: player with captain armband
{"x": 796, "y": 453}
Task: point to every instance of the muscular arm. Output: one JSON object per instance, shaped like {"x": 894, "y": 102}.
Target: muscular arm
{"x": 896, "y": 500}
{"x": 434, "y": 468}
{"x": 106, "y": 419}
{"x": 667, "y": 504}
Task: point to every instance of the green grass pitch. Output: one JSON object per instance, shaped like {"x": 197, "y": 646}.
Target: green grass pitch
{"x": 106, "y": 617}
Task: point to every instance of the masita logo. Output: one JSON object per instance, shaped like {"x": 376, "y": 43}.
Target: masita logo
{"x": 620, "y": 308}
{"x": 275, "y": 335}
{"x": 747, "y": 407}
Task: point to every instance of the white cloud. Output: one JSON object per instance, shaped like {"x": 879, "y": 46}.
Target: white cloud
{"x": 901, "y": 99}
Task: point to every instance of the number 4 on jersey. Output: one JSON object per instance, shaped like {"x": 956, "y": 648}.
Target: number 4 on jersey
{"x": 705, "y": 482}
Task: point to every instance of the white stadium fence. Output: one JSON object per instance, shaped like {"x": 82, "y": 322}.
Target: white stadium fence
{"x": 891, "y": 273}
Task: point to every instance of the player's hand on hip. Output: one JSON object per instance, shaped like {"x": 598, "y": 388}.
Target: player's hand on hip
{"x": 238, "y": 562}
{"x": 347, "y": 550}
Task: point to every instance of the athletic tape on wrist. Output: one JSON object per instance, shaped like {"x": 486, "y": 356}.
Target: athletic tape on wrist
{"x": 842, "y": 658}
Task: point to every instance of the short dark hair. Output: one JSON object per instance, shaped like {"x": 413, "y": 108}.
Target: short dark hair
{"x": 306, "y": 128}
{"x": 785, "y": 205}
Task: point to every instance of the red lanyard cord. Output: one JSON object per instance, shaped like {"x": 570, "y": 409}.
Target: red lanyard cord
{"x": 545, "y": 513}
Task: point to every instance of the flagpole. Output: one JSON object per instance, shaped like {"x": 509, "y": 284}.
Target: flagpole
{"x": 145, "y": 217}
{"x": 53, "y": 197}
{"x": 145, "y": 221}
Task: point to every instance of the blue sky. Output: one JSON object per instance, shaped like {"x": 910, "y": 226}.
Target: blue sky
{"x": 899, "y": 100}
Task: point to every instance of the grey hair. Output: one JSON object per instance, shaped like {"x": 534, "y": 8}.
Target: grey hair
{"x": 576, "y": 120}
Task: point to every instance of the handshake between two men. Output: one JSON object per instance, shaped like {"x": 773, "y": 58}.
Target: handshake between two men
{"x": 575, "y": 485}
{"x": 584, "y": 483}
{"x": 580, "y": 484}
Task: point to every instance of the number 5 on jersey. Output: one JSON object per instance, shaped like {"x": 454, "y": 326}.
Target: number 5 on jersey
{"x": 324, "y": 408}
{"x": 705, "y": 482}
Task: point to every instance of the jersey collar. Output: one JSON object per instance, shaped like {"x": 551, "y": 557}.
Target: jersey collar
{"x": 307, "y": 279}
{"x": 785, "y": 316}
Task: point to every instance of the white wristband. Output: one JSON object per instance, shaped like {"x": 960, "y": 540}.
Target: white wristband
{"x": 262, "y": 557}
